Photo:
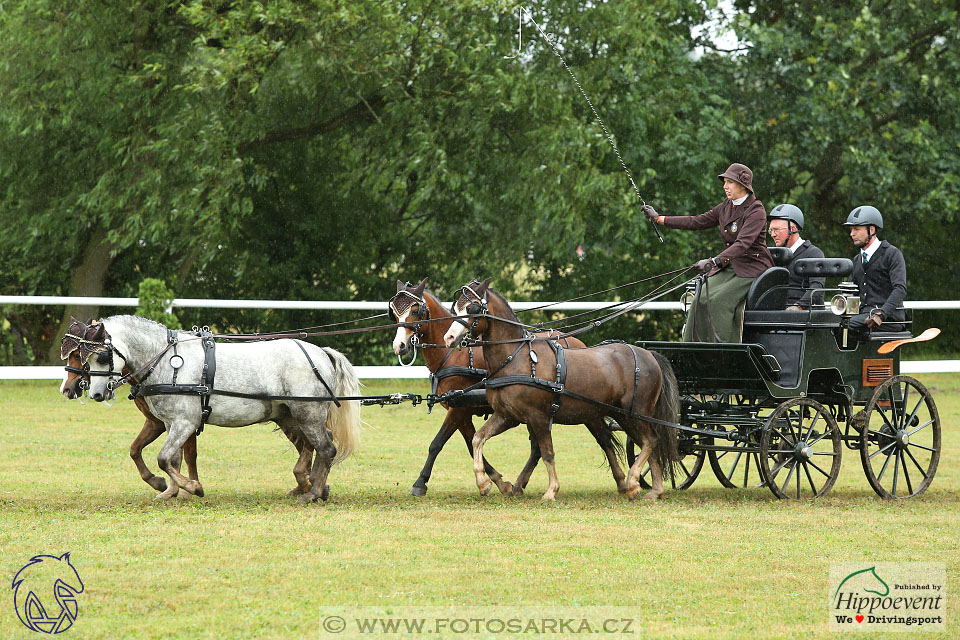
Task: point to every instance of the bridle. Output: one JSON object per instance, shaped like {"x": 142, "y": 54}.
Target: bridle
{"x": 475, "y": 306}
{"x": 398, "y": 305}
{"x": 88, "y": 345}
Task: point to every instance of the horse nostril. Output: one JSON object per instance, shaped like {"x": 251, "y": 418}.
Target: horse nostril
{"x": 97, "y": 396}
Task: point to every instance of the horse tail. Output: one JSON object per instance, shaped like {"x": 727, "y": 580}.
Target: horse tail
{"x": 344, "y": 421}
{"x": 668, "y": 410}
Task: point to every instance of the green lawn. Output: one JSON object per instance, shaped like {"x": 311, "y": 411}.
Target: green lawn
{"x": 246, "y": 561}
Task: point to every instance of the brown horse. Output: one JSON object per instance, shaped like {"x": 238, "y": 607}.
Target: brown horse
{"x": 424, "y": 321}
{"x": 611, "y": 379}
{"x": 77, "y": 378}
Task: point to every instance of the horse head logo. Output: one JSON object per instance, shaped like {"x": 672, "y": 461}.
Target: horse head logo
{"x": 45, "y": 593}
{"x": 866, "y": 580}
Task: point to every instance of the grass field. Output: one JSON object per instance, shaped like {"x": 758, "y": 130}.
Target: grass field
{"x": 246, "y": 561}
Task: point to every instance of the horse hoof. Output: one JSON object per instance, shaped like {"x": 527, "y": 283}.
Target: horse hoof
{"x": 296, "y": 491}
{"x": 197, "y": 490}
{"x": 632, "y": 493}
{"x": 167, "y": 494}
{"x": 307, "y": 498}
{"x": 159, "y": 484}
{"x": 516, "y": 491}
{"x": 418, "y": 491}
{"x": 652, "y": 495}
{"x": 325, "y": 493}
{"x": 506, "y": 488}
{"x": 484, "y": 487}
{"x": 548, "y": 497}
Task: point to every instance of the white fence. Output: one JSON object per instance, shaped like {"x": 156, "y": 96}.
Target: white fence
{"x": 50, "y": 373}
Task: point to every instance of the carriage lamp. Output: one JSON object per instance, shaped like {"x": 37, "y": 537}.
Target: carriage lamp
{"x": 847, "y": 302}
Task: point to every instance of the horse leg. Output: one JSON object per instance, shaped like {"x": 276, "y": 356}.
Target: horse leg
{"x": 495, "y": 425}
{"x": 529, "y": 467}
{"x": 645, "y": 436}
{"x": 190, "y": 457}
{"x": 419, "y": 487}
{"x": 603, "y": 438}
{"x": 312, "y": 421}
{"x": 541, "y": 429}
{"x": 301, "y": 470}
{"x": 467, "y": 431}
{"x": 151, "y": 431}
{"x": 177, "y": 434}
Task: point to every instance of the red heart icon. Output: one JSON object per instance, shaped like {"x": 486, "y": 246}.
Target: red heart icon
{"x": 859, "y": 619}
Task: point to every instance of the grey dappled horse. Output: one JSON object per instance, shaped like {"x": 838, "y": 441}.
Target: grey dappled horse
{"x": 263, "y": 368}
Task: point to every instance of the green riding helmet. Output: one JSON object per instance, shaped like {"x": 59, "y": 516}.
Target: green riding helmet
{"x": 788, "y": 212}
{"x": 865, "y": 215}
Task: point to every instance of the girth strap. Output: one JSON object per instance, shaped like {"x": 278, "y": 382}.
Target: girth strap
{"x": 317, "y": 372}
{"x": 207, "y": 376}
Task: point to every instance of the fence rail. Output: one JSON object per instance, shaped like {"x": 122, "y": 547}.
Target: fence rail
{"x": 387, "y": 372}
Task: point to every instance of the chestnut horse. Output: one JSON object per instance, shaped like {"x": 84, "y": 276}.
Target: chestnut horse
{"x": 424, "y": 320}
{"x": 615, "y": 379}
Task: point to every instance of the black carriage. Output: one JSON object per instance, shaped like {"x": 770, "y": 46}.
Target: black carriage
{"x": 768, "y": 411}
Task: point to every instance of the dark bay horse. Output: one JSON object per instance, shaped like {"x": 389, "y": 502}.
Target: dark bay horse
{"x": 424, "y": 321}
{"x": 625, "y": 381}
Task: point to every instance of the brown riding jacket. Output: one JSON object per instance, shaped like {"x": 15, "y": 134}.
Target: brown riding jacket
{"x": 742, "y": 231}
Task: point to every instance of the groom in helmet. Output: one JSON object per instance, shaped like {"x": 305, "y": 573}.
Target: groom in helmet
{"x": 879, "y": 271}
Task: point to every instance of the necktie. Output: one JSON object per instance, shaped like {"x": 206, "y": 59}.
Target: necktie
{"x": 866, "y": 258}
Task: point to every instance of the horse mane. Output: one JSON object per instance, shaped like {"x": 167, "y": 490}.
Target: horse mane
{"x": 144, "y": 323}
{"x": 508, "y": 312}
{"x": 431, "y": 296}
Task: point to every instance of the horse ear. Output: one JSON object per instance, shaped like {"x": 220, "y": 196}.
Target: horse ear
{"x": 484, "y": 285}
{"x": 92, "y": 321}
{"x": 420, "y": 287}
{"x": 100, "y": 333}
{"x": 400, "y": 286}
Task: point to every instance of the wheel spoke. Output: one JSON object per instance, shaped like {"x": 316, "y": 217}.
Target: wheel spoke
{"x": 817, "y": 467}
{"x": 906, "y": 475}
{"x": 920, "y": 446}
{"x": 923, "y": 471}
{"x": 787, "y": 481}
{"x": 810, "y": 479}
{"x": 798, "y": 484}
{"x": 733, "y": 468}
{"x": 780, "y": 465}
{"x": 812, "y": 423}
{"x": 893, "y": 407}
{"x": 892, "y": 443}
{"x": 896, "y": 471}
{"x": 883, "y": 470}
{"x": 923, "y": 426}
{"x": 824, "y": 435}
{"x": 746, "y": 470}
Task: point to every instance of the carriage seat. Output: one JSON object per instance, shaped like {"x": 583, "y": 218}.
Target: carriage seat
{"x": 769, "y": 291}
{"x": 781, "y": 256}
{"x": 823, "y": 267}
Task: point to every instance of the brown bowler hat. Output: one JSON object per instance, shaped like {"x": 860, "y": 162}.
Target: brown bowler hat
{"x": 741, "y": 173}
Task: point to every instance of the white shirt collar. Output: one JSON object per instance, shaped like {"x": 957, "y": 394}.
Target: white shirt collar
{"x": 872, "y": 249}
{"x": 739, "y": 201}
{"x": 796, "y": 244}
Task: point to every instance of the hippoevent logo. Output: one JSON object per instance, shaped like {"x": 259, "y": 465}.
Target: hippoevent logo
{"x": 888, "y": 596}
{"x": 45, "y": 593}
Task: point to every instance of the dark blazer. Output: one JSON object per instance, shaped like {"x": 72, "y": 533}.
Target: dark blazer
{"x": 742, "y": 231}
{"x": 797, "y": 294}
{"x": 883, "y": 283}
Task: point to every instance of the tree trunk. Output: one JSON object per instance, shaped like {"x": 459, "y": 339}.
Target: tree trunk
{"x": 86, "y": 279}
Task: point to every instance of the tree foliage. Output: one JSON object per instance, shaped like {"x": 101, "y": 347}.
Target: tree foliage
{"x": 322, "y": 149}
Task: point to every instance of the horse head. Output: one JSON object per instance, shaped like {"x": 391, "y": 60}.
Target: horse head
{"x": 75, "y": 348}
{"x": 471, "y": 301}
{"x": 103, "y": 365}
{"x": 407, "y": 308}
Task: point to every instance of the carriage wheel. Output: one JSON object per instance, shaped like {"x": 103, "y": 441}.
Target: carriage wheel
{"x": 685, "y": 473}
{"x": 737, "y": 469}
{"x": 800, "y": 449}
{"x": 900, "y": 446}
